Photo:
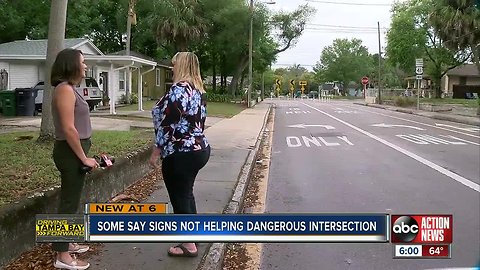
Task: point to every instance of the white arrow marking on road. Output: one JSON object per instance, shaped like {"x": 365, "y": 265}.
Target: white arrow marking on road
{"x": 464, "y": 129}
{"x": 305, "y": 126}
{"x": 385, "y": 125}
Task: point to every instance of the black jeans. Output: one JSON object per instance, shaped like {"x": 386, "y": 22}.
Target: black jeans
{"x": 73, "y": 180}
{"x": 179, "y": 171}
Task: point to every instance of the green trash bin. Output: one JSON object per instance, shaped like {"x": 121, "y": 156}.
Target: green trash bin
{"x": 7, "y": 98}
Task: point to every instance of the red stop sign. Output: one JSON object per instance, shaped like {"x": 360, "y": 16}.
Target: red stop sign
{"x": 365, "y": 80}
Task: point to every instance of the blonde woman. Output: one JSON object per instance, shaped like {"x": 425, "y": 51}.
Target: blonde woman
{"x": 179, "y": 121}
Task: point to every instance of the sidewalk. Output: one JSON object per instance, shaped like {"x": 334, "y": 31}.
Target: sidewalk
{"x": 469, "y": 120}
{"x": 231, "y": 141}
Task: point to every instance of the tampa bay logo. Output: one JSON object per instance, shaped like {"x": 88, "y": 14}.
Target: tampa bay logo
{"x": 405, "y": 229}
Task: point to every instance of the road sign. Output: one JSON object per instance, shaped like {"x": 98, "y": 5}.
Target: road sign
{"x": 419, "y": 62}
{"x": 278, "y": 84}
{"x": 302, "y": 84}
{"x": 292, "y": 85}
{"x": 365, "y": 80}
{"x": 419, "y": 70}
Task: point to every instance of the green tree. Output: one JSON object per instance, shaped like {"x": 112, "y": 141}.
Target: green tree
{"x": 416, "y": 38}
{"x": 344, "y": 61}
{"x": 405, "y": 41}
{"x": 457, "y": 22}
{"x": 179, "y": 22}
{"x": 287, "y": 27}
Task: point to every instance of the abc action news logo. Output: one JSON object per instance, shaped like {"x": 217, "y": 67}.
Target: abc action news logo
{"x": 422, "y": 229}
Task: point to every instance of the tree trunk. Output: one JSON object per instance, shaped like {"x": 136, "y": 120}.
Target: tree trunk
{"x": 56, "y": 35}
{"x": 223, "y": 75}
{"x": 214, "y": 73}
{"x": 238, "y": 74}
{"x": 476, "y": 56}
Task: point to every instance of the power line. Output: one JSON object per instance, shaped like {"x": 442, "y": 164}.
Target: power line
{"x": 345, "y": 26}
{"x": 289, "y": 65}
{"x": 350, "y": 3}
{"x": 343, "y": 31}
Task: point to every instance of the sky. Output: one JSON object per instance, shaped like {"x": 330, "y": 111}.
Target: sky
{"x": 334, "y": 19}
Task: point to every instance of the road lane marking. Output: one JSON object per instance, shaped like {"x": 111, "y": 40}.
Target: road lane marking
{"x": 427, "y": 139}
{"x": 294, "y": 141}
{"x": 387, "y": 126}
{"x": 416, "y": 122}
{"x": 459, "y": 139}
{"x": 418, "y": 158}
{"x": 305, "y": 126}
{"x": 455, "y": 127}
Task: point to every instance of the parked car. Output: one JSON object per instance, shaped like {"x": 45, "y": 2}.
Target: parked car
{"x": 313, "y": 94}
{"x": 88, "y": 89}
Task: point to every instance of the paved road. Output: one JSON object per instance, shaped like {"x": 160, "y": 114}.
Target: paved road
{"x": 350, "y": 158}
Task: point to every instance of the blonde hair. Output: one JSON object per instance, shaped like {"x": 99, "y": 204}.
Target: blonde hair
{"x": 187, "y": 68}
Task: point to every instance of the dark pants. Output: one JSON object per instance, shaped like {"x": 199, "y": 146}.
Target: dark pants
{"x": 72, "y": 180}
{"x": 179, "y": 171}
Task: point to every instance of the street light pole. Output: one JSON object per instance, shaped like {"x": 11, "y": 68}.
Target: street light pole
{"x": 250, "y": 58}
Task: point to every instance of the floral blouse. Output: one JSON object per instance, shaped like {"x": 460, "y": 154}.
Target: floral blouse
{"x": 179, "y": 120}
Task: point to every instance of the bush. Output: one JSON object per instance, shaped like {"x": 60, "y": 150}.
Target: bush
{"x": 133, "y": 99}
{"x": 213, "y": 97}
{"x": 403, "y": 101}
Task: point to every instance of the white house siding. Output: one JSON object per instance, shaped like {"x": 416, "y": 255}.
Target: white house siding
{"x": 41, "y": 72}
{"x": 22, "y": 75}
{"x": 4, "y": 65}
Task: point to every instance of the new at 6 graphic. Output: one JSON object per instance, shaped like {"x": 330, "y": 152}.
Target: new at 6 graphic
{"x": 422, "y": 229}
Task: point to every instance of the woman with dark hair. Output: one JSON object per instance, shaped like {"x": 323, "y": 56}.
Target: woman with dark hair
{"x": 179, "y": 122}
{"x": 71, "y": 118}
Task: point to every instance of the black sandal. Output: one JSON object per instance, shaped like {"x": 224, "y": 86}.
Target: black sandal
{"x": 185, "y": 252}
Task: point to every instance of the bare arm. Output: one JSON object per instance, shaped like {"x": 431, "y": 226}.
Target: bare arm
{"x": 64, "y": 100}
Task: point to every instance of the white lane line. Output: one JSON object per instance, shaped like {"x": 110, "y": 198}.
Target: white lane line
{"x": 413, "y": 121}
{"x": 458, "y": 139}
{"x": 422, "y": 160}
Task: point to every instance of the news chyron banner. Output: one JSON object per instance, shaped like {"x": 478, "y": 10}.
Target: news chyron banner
{"x": 422, "y": 236}
{"x": 238, "y": 228}
{"x": 120, "y": 222}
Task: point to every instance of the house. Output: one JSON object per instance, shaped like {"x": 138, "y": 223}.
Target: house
{"x": 156, "y": 83}
{"x": 426, "y": 86}
{"x": 461, "y": 80}
{"x": 23, "y": 63}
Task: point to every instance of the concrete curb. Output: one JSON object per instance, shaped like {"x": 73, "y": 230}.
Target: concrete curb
{"x": 469, "y": 120}
{"x": 214, "y": 255}
{"x": 17, "y": 220}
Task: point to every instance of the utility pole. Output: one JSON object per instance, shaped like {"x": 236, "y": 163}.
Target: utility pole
{"x": 131, "y": 19}
{"x": 379, "y": 66}
{"x": 250, "y": 58}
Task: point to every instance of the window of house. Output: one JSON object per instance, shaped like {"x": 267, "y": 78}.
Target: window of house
{"x": 168, "y": 75}
{"x": 157, "y": 77}
{"x": 463, "y": 80}
{"x": 121, "y": 80}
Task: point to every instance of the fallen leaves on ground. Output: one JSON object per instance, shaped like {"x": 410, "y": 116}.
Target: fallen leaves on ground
{"x": 41, "y": 256}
